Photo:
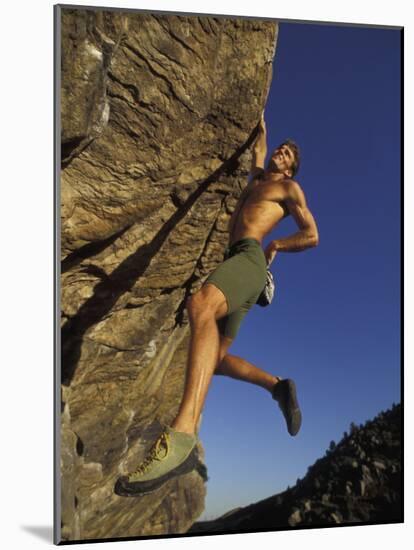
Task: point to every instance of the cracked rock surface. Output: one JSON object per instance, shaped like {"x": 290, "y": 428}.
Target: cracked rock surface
{"x": 158, "y": 113}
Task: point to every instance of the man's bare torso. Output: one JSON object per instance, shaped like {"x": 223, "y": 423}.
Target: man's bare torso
{"x": 259, "y": 209}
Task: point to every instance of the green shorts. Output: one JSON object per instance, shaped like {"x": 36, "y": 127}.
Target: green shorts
{"x": 241, "y": 277}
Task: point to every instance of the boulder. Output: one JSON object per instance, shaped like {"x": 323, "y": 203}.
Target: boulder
{"x": 158, "y": 115}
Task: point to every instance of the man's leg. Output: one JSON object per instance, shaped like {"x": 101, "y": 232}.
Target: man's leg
{"x": 174, "y": 453}
{"x": 240, "y": 369}
{"x": 282, "y": 390}
{"x": 204, "y": 308}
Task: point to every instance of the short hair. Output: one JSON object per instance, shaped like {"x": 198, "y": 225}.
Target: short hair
{"x": 296, "y": 155}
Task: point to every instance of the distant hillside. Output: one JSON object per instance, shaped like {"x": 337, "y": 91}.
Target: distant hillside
{"x": 358, "y": 480}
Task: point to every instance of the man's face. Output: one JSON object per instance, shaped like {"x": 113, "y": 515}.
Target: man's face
{"x": 283, "y": 159}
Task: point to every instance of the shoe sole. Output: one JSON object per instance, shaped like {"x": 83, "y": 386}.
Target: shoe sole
{"x": 293, "y": 416}
{"x": 125, "y": 488}
{"x": 295, "y": 422}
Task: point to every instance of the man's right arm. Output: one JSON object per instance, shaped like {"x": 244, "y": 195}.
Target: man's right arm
{"x": 259, "y": 152}
{"x": 256, "y": 171}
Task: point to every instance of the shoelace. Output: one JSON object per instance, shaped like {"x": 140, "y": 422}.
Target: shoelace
{"x": 159, "y": 451}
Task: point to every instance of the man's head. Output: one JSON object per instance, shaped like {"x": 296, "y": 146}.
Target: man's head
{"x": 285, "y": 159}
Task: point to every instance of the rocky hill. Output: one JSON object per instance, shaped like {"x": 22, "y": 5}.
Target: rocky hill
{"x": 158, "y": 115}
{"x": 359, "y": 480}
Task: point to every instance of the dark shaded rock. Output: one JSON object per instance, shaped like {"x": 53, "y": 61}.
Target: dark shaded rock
{"x": 295, "y": 518}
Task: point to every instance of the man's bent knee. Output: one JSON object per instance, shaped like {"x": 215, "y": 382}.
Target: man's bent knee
{"x": 198, "y": 308}
{"x": 207, "y": 302}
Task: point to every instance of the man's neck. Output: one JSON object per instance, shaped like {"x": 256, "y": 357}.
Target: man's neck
{"x": 275, "y": 176}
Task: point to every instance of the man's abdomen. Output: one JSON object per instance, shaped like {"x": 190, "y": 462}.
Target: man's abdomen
{"x": 256, "y": 220}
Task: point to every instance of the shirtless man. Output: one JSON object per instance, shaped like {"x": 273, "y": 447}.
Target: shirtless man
{"x": 217, "y": 309}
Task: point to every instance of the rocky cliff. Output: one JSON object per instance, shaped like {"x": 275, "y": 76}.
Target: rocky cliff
{"x": 158, "y": 113}
{"x": 359, "y": 480}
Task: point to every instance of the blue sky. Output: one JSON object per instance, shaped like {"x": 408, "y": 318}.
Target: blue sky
{"x": 334, "y": 325}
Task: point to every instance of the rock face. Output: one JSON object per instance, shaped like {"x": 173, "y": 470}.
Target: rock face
{"x": 158, "y": 113}
{"x": 359, "y": 480}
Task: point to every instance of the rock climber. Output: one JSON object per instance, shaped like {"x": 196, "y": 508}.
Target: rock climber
{"x": 217, "y": 309}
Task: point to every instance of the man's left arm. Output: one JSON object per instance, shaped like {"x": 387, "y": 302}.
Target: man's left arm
{"x": 307, "y": 236}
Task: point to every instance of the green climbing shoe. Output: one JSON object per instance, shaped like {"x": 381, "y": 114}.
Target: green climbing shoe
{"x": 173, "y": 454}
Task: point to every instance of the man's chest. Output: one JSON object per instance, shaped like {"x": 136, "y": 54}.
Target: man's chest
{"x": 266, "y": 191}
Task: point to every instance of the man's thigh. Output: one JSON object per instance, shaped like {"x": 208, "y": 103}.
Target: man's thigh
{"x": 230, "y": 324}
{"x": 239, "y": 279}
{"x": 225, "y": 343}
{"x": 209, "y": 295}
